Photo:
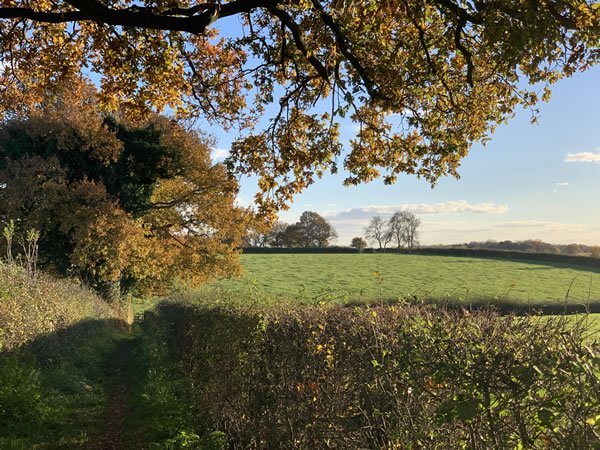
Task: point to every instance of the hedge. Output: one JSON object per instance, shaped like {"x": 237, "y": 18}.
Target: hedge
{"x": 386, "y": 377}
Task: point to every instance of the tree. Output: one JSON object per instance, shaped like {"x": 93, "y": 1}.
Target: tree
{"x": 378, "y": 233}
{"x": 358, "y": 243}
{"x": 276, "y": 234}
{"x": 411, "y": 230}
{"x": 396, "y": 228}
{"x": 421, "y": 80}
{"x": 256, "y": 237}
{"x": 311, "y": 230}
{"x": 292, "y": 236}
{"x": 571, "y": 249}
{"x": 129, "y": 207}
{"x": 404, "y": 226}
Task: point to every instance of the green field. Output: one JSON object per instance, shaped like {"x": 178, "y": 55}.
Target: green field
{"x": 367, "y": 277}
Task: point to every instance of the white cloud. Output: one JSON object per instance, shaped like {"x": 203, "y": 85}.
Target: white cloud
{"x": 219, "y": 154}
{"x": 450, "y": 207}
{"x": 564, "y": 183}
{"x": 546, "y": 226}
{"x": 584, "y": 157}
{"x": 549, "y": 231}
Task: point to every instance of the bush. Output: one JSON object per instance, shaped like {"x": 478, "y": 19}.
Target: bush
{"x": 30, "y": 308}
{"x": 386, "y": 377}
{"x": 54, "y": 336}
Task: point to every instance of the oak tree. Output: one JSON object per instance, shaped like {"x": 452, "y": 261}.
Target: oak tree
{"x": 421, "y": 79}
{"x": 312, "y": 230}
{"x": 358, "y": 243}
{"x": 131, "y": 207}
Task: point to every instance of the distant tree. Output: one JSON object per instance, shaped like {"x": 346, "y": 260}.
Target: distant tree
{"x": 257, "y": 235}
{"x": 396, "y": 229}
{"x": 358, "y": 243}
{"x": 311, "y": 230}
{"x": 595, "y": 251}
{"x": 377, "y": 232}
{"x": 411, "y": 229}
{"x": 292, "y": 236}
{"x": 127, "y": 206}
{"x": 275, "y": 237}
{"x": 571, "y": 249}
{"x": 403, "y": 227}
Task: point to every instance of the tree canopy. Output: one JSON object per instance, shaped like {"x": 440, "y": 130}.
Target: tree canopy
{"x": 135, "y": 206}
{"x": 421, "y": 79}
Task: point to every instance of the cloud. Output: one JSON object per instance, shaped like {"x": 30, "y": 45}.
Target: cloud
{"x": 583, "y": 157}
{"x": 219, "y": 154}
{"x": 450, "y": 207}
{"x": 547, "y": 226}
{"x": 546, "y": 230}
{"x": 564, "y": 183}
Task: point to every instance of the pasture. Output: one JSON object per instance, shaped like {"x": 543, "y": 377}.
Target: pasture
{"x": 311, "y": 278}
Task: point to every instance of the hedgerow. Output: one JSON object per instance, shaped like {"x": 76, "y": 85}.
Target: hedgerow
{"x": 30, "y": 307}
{"x": 54, "y": 337}
{"x": 385, "y": 377}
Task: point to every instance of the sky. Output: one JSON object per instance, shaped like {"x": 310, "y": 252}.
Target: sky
{"x": 529, "y": 182}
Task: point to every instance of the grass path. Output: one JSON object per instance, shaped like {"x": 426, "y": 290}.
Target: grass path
{"x": 117, "y": 407}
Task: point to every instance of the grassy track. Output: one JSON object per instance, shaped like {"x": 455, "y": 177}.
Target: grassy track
{"x": 365, "y": 277}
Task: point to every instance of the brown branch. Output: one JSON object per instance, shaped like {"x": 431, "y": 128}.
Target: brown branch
{"x": 460, "y": 12}
{"x": 294, "y": 28}
{"x": 463, "y": 50}
{"x": 341, "y": 42}
{"x": 39, "y": 16}
{"x": 91, "y": 10}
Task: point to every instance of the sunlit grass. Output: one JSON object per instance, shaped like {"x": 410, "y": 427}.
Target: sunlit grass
{"x": 311, "y": 278}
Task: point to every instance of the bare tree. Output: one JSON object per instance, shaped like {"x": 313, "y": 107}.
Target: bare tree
{"x": 377, "y": 232}
{"x": 403, "y": 227}
{"x": 396, "y": 227}
{"x": 411, "y": 230}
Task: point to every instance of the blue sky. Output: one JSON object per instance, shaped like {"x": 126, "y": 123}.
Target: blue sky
{"x": 529, "y": 182}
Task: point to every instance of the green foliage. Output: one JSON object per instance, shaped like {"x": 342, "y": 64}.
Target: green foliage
{"x": 21, "y": 402}
{"x": 54, "y": 335}
{"x": 385, "y": 377}
{"x": 211, "y": 376}
{"x": 30, "y": 308}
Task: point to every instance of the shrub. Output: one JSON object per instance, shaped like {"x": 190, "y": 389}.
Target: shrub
{"x": 386, "y": 376}
{"x": 30, "y": 308}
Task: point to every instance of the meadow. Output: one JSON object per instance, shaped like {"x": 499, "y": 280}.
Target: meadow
{"x": 222, "y": 368}
{"x": 311, "y": 278}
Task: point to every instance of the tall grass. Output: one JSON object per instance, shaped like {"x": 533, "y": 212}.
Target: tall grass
{"x": 33, "y": 307}
{"x": 55, "y": 339}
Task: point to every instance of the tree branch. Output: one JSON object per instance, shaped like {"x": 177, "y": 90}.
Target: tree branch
{"x": 341, "y": 42}
{"x": 179, "y": 20}
{"x": 463, "y": 50}
{"x": 294, "y": 28}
